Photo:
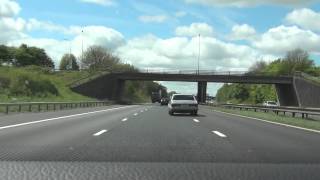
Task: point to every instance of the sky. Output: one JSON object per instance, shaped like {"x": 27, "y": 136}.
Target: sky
{"x": 162, "y": 35}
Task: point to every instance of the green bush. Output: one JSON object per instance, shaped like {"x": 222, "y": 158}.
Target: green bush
{"x": 4, "y": 83}
{"x": 24, "y": 85}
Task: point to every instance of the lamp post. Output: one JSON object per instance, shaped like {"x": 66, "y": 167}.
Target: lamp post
{"x": 81, "y": 49}
{"x": 199, "y": 56}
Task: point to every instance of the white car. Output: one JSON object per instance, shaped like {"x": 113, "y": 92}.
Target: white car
{"x": 270, "y": 104}
{"x": 183, "y": 103}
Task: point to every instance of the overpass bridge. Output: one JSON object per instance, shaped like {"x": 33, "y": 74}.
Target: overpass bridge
{"x": 291, "y": 90}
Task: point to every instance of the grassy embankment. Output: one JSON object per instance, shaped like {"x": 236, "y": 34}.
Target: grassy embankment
{"x": 35, "y": 84}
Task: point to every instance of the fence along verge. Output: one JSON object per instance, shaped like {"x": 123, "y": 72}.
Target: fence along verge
{"x": 48, "y": 106}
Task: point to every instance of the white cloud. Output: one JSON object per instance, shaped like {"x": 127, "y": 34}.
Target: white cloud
{"x": 180, "y": 14}
{"x": 281, "y": 39}
{"x": 153, "y": 19}
{"x": 153, "y": 52}
{"x": 11, "y": 28}
{"x": 194, "y": 29}
{"x": 305, "y": 18}
{"x": 242, "y": 32}
{"x": 9, "y": 8}
{"x": 100, "y": 2}
{"x": 248, "y": 3}
{"x": 34, "y": 24}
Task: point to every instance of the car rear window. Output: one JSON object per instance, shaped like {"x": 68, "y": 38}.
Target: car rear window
{"x": 183, "y": 97}
{"x": 273, "y": 103}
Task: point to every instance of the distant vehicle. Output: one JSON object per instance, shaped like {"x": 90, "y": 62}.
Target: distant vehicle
{"x": 155, "y": 97}
{"x": 270, "y": 103}
{"x": 182, "y": 103}
{"x": 164, "y": 101}
{"x": 211, "y": 102}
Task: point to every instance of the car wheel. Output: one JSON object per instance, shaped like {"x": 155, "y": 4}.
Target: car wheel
{"x": 171, "y": 113}
{"x": 194, "y": 113}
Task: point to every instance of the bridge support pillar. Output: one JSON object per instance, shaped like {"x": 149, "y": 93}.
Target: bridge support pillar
{"x": 202, "y": 91}
{"x": 118, "y": 90}
{"x": 287, "y": 95}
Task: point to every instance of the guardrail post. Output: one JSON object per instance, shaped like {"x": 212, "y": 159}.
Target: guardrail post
{"x": 47, "y": 107}
{"x": 19, "y": 109}
{"x": 39, "y": 107}
{"x": 302, "y": 115}
{"x": 54, "y": 107}
{"x": 7, "y": 109}
{"x": 293, "y": 114}
{"x": 30, "y": 107}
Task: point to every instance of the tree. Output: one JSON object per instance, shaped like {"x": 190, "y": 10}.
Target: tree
{"x": 5, "y": 54}
{"x": 25, "y": 56}
{"x": 296, "y": 60}
{"x": 258, "y": 67}
{"x": 68, "y": 62}
{"x": 98, "y": 58}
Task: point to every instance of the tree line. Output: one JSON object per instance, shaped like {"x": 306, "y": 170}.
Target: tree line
{"x": 24, "y": 56}
{"x": 94, "y": 58}
{"x": 295, "y": 60}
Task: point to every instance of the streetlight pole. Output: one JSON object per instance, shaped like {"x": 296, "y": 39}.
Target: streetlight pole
{"x": 81, "y": 49}
{"x": 199, "y": 56}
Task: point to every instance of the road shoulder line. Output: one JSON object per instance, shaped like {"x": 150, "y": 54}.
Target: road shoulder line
{"x": 61, "y": 117}
{"x": 271, "y": 122}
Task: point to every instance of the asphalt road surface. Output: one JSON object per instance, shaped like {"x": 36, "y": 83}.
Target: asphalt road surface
{"x": 146, "y": 133}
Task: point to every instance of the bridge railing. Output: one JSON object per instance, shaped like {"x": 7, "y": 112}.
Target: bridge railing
{"x": 192, "y": 72}
{"x": 203, "y": 72}
{"x": 294, "y": 111}
{"x": 48, "y": 106}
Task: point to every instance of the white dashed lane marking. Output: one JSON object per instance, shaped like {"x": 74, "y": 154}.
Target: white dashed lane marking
{"x": 124, "y": 119}
{"x": 135, "y": 114}
{"x": 196, "y": 120}
{"x": 219, "y": 134}
{"x": 100, "y": 132}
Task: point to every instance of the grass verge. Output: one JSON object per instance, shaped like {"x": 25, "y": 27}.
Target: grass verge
{"x": 304, "y": 123}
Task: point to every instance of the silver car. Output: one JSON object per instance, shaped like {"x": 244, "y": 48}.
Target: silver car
{"x": 183, "y": 103}
{"x": 270, "y": 104}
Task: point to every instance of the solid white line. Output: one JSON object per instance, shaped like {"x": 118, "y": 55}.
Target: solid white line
{"x": 135, "y": 114}
{"x": 100, "y": 132}
{"x": 196, "y": 120}
{"x": 271, "y": 122}
{"x": 125, "y": 119}
{"x": 62, "y": 117}
{"x": 219, "y": 134}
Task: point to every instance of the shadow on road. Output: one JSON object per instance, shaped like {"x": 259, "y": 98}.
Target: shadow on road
{"x": 186, "y": 114}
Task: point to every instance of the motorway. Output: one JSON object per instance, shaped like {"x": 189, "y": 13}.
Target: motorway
{"x": 146, "y": 133}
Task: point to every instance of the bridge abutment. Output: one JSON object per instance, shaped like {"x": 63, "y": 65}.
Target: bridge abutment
{"x": 118, "y": 90}
{"x": 202, "y": 91}
{"x": 287, "y": 95}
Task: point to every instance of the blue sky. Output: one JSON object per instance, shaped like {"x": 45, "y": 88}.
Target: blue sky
{"x": 163, "y": 34}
